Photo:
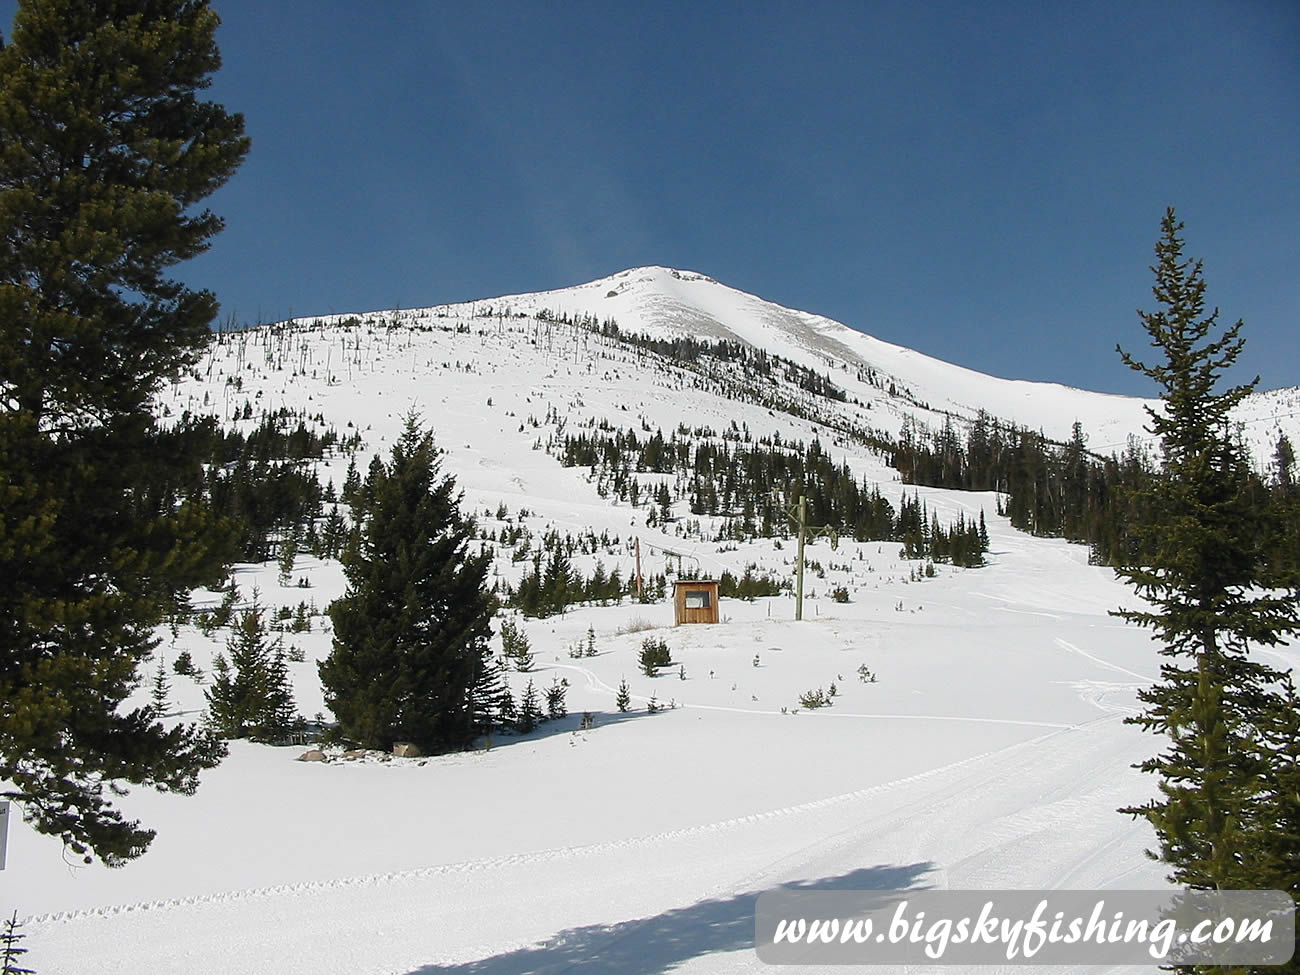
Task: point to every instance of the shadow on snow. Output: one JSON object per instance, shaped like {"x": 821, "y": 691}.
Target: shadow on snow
{"x": 653, "y": 945}
{"x": 571, "y": 723}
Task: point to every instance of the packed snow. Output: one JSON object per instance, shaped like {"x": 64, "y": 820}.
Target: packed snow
{"x": 990, "y": 751}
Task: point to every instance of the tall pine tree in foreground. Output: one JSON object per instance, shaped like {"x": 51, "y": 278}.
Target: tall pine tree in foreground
{"x": 1226, "y": 814}
{"x": 105, "y": 151}
{"x": 411, "y": 633}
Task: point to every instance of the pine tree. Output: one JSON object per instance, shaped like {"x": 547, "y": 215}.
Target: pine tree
{"x": 411, "y": 633}
{"x": 223, "y": 701}
{"x": 555, "y": 694}
{"x": 506, "y": 711}
{"x": 251, "y": 695}
{"x": 288, "y": 556}
{"x": 654, "y": 654}
{"x": 11, "y": 949}
{"x": 1284, "y": 464}
{"x": 623, "y": 700}
{"x": 530, "y": 712}
{"x": 488, "y": 694}
{"x": 105, "y": 151}
{"x": 557, "y": 583}
{"x": 1208, "y": 605}
{"x": 160, "y": 689}
{"x": 278, "y": 710}
{"x": 184, "y": 666}
{"x": 515, "y": 645}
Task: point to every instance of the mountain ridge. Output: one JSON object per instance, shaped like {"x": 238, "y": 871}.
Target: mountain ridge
{"x": 667, "y": 303}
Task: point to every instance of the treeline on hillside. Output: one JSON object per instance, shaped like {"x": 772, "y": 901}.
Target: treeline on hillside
{"x": 754, "y": 486}
{"x": 552, "y": 583}
{"x": 1064, "y": 490}
{"x": 690, "y": 351}
{"x": 262, "y": 484}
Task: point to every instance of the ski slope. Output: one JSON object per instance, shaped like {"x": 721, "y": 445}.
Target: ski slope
{"x": 990, "y": 752}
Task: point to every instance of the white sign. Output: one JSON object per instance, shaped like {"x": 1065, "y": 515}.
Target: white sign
{"x": 4, "y": 829}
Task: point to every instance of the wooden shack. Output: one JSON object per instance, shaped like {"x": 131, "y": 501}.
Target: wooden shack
{"x": 695, "y": 601}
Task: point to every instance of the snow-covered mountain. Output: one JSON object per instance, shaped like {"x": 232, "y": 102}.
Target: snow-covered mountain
{"x": 989, "y": 753}
{"x": 667, "y": 303}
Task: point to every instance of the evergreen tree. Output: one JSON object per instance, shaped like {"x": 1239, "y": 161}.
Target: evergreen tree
{"x": 557, "y": 583}
{"x": 654, "y": 654}
{"x": 279, "y": 713}
{"x": 160, "y": 689}
{"x": 530, "y": 712}
{"x": 555, "y": 694}
{"x": 11, "y": 948}
{"x": 515, "y": 645}
{"x": 1284, "y": 465}
{"x": 489, "y": 695}
{"x": 623, "y": 700}
{"x": 411, "y": 633}
{"x": 251, "y": 695}
{"x": 1208, "y": 606}
{"x": 288, "y": 556}
{"x": 184, "y": 666}
{"x": 105, "y": 150}
{"x": 222, "y": 698}
{"x": 507, "y": 714}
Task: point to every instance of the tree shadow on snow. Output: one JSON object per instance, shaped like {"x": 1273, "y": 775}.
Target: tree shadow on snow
{"x": 653, "y": 945}
{"x": 560, "y": 726}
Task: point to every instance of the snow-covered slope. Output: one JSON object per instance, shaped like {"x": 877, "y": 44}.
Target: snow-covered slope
{"x": 666, "y": 302}
{"x": 989, "y": 753}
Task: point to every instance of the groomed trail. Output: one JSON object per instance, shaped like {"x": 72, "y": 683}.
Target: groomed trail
{"x": 1013, "y": 817}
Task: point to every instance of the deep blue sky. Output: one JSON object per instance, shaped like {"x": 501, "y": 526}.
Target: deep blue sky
{"x": 983, "y": 182}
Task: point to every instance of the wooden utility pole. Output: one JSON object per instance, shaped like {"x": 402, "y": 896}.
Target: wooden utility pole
{"x": 799, "y": 515}
{"x": 803, "y": 527}
{"x": 639, "y": 593}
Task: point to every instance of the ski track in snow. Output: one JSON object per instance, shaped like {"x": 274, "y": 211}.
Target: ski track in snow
{"x": 490, "y": 863}
{"x": 595, "y": 683}
{"x": 1003, "y": 818}
{"x": 1066, "y": 645}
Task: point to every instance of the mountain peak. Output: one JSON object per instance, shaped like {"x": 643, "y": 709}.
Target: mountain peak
{"x": 891, "y": 383}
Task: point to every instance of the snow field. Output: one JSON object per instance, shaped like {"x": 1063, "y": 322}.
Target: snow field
{"x": 990, "y": 752}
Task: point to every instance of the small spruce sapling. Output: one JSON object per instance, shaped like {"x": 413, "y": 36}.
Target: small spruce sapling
{"x": 515, "y": 645}
{"x": 183, "y": 665}
{"x": 624, "y": 698}
{"x": 555, "y": 704}
{"x": 288, "y": 555}
{"x": 815, "y": 699}
{"x": 530, "y": 711}
{"x": 506, "y": 710}
{"x": 161, "y": 688}
{"x": 10, "y": 949}
{"x": 654, "y": 654}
